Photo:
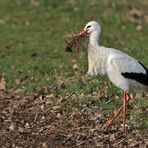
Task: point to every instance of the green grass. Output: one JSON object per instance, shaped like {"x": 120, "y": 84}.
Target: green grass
{"x": 32, "y": 46}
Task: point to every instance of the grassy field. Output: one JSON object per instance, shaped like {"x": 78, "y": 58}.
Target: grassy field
{"x": 32, "y": 52}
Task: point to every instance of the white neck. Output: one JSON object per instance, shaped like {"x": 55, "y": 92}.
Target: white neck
{"x": 94, "y": 38}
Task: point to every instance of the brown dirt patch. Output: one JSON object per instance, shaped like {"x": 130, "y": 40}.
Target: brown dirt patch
{"x": 34, "y": 121}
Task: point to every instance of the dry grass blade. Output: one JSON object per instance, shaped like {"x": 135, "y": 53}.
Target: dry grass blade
{"x": 73, "y": 42}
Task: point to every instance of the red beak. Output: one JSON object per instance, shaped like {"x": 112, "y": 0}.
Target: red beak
{"x": 83, "y": 32}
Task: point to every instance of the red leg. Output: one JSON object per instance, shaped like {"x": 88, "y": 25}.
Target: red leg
{"x": 124, "y": 111}
{"x": 110, "y": 122}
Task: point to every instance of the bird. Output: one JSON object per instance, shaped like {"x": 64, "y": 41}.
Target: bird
{"x": 124, "y": 71}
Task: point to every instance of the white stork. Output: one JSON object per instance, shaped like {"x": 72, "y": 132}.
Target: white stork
{"x": 123, "y": 70}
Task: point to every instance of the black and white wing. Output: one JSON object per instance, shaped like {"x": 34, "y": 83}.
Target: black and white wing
{"x": 128, "y": 68}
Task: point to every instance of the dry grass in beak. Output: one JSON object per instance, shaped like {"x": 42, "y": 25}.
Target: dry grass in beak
{"x": 73, "y": 42}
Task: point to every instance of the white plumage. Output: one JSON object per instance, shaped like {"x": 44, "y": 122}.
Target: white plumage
{"x": 123, "y": 70}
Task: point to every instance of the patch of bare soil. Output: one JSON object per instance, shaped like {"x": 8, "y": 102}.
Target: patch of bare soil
{"x": 36, "y": 121}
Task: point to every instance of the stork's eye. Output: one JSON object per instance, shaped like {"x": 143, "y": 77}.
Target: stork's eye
{"x": 88, "y": 26}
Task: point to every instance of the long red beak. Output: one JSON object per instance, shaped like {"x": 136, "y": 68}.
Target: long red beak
{"x": 83, "y": 32}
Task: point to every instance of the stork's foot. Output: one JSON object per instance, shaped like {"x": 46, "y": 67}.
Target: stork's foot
{"x": 116, "y": 115}
{"x": 109, "y": 125}
{"x": 122, "y": 129}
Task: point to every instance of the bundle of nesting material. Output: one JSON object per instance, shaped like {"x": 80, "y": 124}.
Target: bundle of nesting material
{"x": 74, "y": 42}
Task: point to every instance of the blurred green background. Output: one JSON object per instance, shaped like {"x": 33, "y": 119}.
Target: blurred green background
{"x": 32, "y": 32}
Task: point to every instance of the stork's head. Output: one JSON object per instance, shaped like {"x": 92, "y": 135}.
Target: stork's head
{"x": 90, "y": 27}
